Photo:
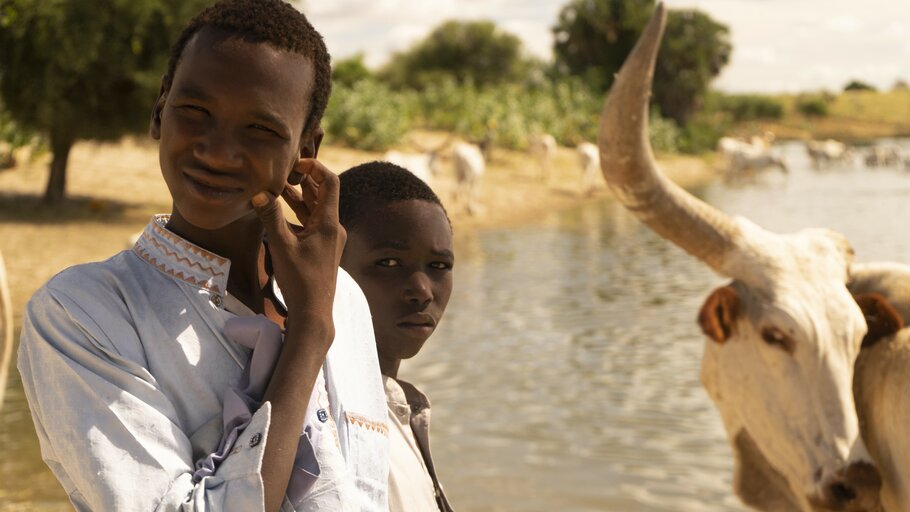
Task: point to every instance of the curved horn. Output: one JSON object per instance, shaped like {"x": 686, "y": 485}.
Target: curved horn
{"x": 629, "y": 168}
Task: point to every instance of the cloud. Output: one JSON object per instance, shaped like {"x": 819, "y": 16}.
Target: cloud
{"x": 779, "y": 45}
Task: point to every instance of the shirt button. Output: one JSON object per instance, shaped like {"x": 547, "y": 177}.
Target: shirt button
{"x": 255, "y": 440}
{"x": 217, "y": 301}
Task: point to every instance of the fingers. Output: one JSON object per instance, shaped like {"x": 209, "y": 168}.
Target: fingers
{"x": 271, "y": 216}
{"x": 326, "y": 189}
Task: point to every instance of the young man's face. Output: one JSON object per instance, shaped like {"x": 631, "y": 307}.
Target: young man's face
{"x": 230, "y": 126}
{"x": 401, "y": 256}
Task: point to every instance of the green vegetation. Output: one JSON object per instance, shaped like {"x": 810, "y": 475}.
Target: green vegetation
{"x": 856, "y": 85}
{"x": 593, "y": 37}
{"x": 467, "y": 51}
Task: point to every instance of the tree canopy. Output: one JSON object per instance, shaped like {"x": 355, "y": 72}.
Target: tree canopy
{"x": 469, "y": 51}
{"x": 77, "y": 69}
{"x": 593, "y": 37}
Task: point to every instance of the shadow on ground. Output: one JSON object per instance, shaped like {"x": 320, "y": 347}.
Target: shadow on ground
{"x": 23, "y": 208}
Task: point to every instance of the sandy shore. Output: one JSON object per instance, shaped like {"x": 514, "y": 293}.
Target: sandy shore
{"x": 115, "y": 188}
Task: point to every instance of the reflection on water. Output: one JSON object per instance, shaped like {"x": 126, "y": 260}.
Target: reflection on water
{"x": 565, "y": 374}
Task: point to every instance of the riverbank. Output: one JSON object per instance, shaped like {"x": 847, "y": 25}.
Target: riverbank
{"x": 114, "y": 188}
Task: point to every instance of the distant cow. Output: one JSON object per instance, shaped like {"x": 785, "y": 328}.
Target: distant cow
{"x": 745, "y": 158}
{"x": 589, "y": 158}
{"x": 542, "y": 147}
{"x": 469, "y": 168}
{"x": 828, "y": 153}
{"x": 422, "y": 165}
{"x": 886, "y": 155}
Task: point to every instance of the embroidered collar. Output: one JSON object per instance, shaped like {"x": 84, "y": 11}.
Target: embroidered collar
{"x": 180, "y": 259}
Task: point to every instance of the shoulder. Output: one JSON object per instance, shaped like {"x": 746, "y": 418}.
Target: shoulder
{"x": 83, "y": 306}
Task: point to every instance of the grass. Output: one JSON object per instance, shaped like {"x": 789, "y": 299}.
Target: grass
{"x": 856, "y": 116}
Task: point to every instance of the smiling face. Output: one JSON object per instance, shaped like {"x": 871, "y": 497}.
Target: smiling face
{"x": 230, "y": 126}
{"x": 401, "y": 256}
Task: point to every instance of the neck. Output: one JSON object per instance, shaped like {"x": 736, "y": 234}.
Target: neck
{"x": 240, "y": 242}
{"x": 389, "y": 366}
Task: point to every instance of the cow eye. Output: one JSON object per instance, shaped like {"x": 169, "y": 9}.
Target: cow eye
{"x": 777, "y": 338}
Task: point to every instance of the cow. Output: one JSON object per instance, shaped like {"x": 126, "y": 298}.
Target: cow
{"x": 469, "y": 168}
{"x": 423, "y": 165}
{"x": 782, "y": 337}
{"x": 542, "y": 147}
{"x": 6, "y": 329}
{"x": 589, "y": 159}
{"x": 886, "y": 155}
{"x": 745, "y": 158}
{"x": 829, "y": 153}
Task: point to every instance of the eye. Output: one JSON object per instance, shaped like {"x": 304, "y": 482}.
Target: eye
{"x": 388, "y": 262}
{"x": 777, "y": 338}
{"x": 192, "y": 109}
{"x": 441, "y": 265}
{"x": 265, "y": 129}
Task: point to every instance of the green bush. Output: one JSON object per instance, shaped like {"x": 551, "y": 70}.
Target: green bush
{"x": 750, "y": 107}
{"x": 665, "y": 135}
{"x": 368, "y": 115}
{"x": 812, "y": 105}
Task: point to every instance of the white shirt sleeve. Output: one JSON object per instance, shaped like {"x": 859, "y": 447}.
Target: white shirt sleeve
{"x": 108, "y": 432}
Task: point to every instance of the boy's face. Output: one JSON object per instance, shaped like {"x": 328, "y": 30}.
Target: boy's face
{"x": 231, "y": 126}
{"x": 401, "y": 256}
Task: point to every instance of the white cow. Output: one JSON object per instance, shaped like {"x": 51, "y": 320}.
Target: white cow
{"x": 542, "y": 147}
{"x": 885, "y": 155}
{"x": 747, "y": 157}
{"x": 828, "y": 153}
{"x": 6, "y": 329}
{"x": 423, "y": 165}
{"x": 589, "y": 158}
{"x": 782, "y": 336}
{"x": 469, "y": 168}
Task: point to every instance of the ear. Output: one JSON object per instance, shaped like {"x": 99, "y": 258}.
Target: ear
{"x": 310, "y": 142}
{"x": 881, "y": 317}
{"x": 718, "y": 314}
{"x": 155, "y": 121}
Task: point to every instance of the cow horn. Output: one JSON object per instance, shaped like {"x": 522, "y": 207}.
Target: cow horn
{"x": 630, "y": 170}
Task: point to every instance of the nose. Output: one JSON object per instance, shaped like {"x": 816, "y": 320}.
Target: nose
{"x": 217, "y": 149}
{"x": 853, "y": 489}
{"x": 418, "y": 289}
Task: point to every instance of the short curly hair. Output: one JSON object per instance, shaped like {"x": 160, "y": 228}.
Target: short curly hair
{"x": 274, "y": 22}
{"x": 366, "y": 186}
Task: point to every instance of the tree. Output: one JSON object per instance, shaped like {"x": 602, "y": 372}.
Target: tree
{"x": 857, "y": 85}
{"x": 472, "y": 51}
{"x": 347, "y": 72}
{"x": 82, "y": 69}
{"x": 593, "y": 37}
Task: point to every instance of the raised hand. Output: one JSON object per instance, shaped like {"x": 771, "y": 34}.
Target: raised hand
{"x": 305, "y": 258}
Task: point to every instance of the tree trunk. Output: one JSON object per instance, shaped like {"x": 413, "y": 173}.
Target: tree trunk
{"x": 56, "y": 182}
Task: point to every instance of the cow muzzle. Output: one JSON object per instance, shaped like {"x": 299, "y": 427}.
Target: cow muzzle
{"x": 852, "y": 489}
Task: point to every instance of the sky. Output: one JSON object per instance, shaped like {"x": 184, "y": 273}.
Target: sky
{"x": 778, "y": 45}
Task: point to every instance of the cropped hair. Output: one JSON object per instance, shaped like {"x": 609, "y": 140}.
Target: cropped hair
{"x": 366, "y": 186}
{"x": 275, "y": 23}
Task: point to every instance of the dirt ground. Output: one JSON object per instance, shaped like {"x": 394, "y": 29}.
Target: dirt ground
{"x": 114, "y": 188}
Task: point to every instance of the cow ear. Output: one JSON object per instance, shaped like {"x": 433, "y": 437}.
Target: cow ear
{"x": 718, "y": 314}
{"x": 881, "y": 317}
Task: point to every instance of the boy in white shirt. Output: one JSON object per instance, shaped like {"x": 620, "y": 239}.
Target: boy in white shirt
{"x": 399, "y": 250}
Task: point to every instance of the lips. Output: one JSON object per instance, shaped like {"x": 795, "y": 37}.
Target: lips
{"x": 418, "y": 321}
{"x": 210, "y": 186}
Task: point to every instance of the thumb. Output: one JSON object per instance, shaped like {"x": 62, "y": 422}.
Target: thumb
{"x": 269, "y": 211}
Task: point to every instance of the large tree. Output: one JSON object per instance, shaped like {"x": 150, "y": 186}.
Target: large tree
{"x": 474, "y": 51}
{"x": 593, "y": 37}
{"x": 84, "y": 69}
